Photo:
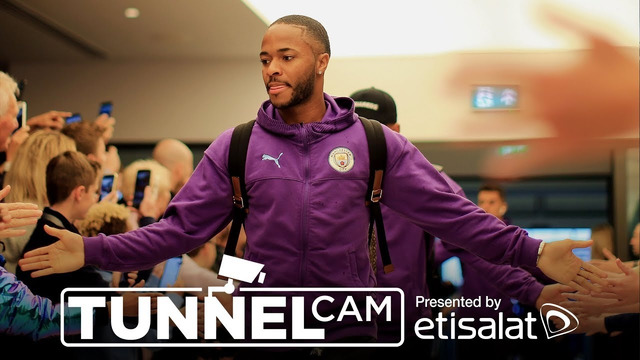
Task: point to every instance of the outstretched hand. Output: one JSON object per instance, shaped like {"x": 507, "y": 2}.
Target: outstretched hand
{"x": 63, "y": 256}
{"x": 552, "y": 294}
{"x": 581, "y": 304}
{"x": 52, "y": 120}
{"x": 599, "y": 89}
{"x": 625, "y": 289}
{"x": 15, "y": 215}
{"x": 558, "y": 262}
{"x": 609, "y": 264}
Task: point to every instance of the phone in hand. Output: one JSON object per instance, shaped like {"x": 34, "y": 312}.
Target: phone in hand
{"x": 22, "y": 84}
{"x": 109, "y": 185}
{"x": 143, "y": 178}
{"x": 73, "y": 118}
{"x": 106, "y": 107}
{"x": 22, "y": 114}
{"x": 170, "y": 272}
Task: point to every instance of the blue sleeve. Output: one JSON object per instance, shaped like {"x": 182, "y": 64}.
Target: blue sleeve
{"x": 23, "y": 313}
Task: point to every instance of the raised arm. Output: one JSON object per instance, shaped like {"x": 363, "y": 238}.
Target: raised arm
{"x": 200, "y": 210}
{"x": 416, "y": 190}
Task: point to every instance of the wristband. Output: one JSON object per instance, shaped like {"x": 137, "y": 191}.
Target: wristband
{"x": 540, "y": 251}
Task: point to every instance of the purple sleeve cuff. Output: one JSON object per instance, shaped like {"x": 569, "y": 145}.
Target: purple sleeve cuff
{"x": 529, "y": 253}
{"x": 93, "y": 250}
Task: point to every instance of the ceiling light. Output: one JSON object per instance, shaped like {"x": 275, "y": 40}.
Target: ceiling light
{"x": 131, "y": 13}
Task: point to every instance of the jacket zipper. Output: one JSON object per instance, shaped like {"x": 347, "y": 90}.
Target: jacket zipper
{"x": 305, "y": 205}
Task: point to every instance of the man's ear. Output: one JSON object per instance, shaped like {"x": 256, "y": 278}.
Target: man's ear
{"x": 503, "y": 209}
{"x": 322, "y": 63}
{"x": 78, "y": 192}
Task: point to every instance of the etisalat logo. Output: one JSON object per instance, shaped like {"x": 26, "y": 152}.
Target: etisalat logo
{"x": 487, "y": 328}
{"x": 275, "y": 317}
{"x": 282, "y": 317}
{"x": 569, "y": 320}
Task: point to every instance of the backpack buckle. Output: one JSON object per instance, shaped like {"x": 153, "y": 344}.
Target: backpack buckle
{"x": 376, "y": 195}
{"x": 238, "y": 202}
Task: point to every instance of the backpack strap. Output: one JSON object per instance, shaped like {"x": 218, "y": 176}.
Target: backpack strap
{"x": 434, "y": 279}
{"x": 237, "y": 160}
{"x": 433, "y": 274}
{"x": 54, "y": 220}
{"x": 377, "y": 164}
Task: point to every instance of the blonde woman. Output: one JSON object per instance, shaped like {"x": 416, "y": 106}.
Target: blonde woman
{"x": 28, "y": 183}
{"x": 157, "y": 196}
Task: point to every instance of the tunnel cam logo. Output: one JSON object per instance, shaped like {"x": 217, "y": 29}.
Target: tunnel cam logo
{"x": 341, "y": 159}
{"x": 568, "y": 321}
{"x": 257, "y": 316}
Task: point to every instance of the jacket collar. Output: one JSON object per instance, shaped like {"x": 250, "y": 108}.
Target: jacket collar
{"x": 339, "y": 116}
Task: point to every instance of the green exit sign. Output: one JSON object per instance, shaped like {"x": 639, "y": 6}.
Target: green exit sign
{"x": 492, "y": 97}
{"x": 512, "y": 149}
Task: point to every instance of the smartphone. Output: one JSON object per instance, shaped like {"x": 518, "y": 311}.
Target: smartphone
{"x": 109, "y": 184}
{"x": 21, "y": 87}
{"x": 22, "y": 114}
{"x": 73, "y": 118}
{"x": 170, "y": 272}
{"x": 143, "y": 178}
{"x": 105, "y": 108}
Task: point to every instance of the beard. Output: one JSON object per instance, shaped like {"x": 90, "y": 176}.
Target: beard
{"x": 301, "y": 92}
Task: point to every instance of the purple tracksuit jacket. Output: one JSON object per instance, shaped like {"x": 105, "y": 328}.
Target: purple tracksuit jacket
{"x": 408, "y": 247}
{"x": 308, "y": 223}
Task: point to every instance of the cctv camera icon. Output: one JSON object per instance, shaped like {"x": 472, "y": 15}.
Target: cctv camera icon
{"x": 234, "y": 268}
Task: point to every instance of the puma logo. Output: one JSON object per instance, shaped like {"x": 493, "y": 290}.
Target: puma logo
{"x": 269, "y": 157}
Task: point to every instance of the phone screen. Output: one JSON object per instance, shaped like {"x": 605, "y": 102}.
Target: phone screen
{"x": 142, "y": 181}
{"x": 73, "y": 118}
{"x": 170, "y": 272}
{"x": 105, "y": 108}
{"x": 107, "y": 186}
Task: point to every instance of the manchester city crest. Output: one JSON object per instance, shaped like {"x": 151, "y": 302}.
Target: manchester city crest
{"x": 341, "y": 159}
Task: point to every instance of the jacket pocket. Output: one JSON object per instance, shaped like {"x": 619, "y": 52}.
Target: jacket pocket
{"x": 353, "y": 265}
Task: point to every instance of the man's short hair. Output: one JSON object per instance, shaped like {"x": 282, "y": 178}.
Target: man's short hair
{"x": 67, "y": 171}
{"x": 494, "y": 187}
{"x": 312, "y": 26}
{"x": 85, "y": 134}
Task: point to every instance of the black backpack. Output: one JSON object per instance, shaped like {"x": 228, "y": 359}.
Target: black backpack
{"x": 377, "y": 163}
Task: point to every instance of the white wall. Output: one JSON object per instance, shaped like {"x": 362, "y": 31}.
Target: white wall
{"x": 195, "y": 101}
{"x": 191, "y": 101}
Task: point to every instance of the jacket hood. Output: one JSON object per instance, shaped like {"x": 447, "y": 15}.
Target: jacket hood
{"x": 339, "y": 116}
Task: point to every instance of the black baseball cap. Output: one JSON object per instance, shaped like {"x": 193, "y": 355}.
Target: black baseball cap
{"x": 375, "y": 104}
